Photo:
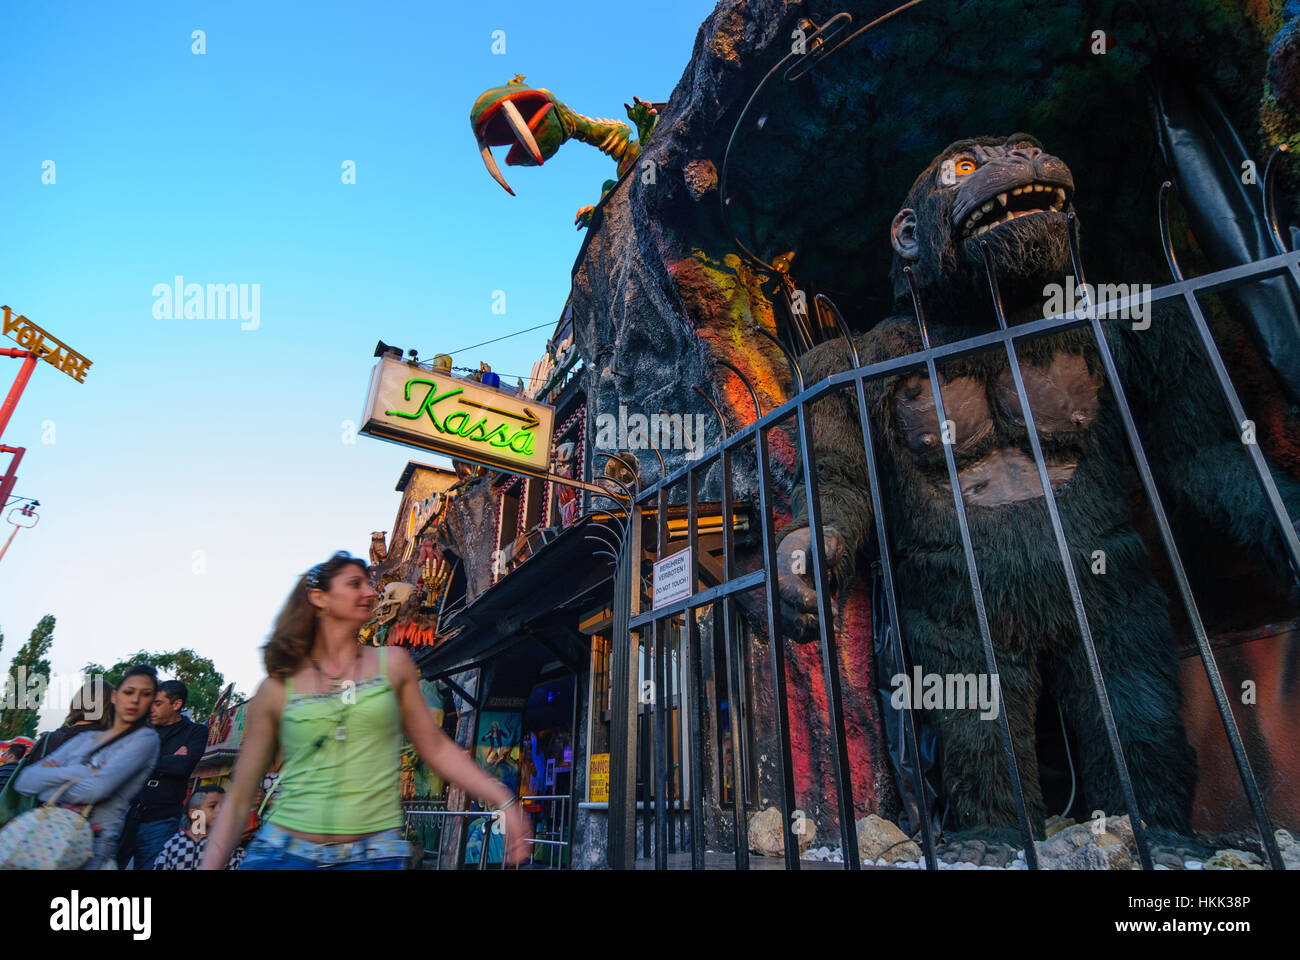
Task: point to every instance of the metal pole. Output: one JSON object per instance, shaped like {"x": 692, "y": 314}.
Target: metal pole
{"x": 624, "y": 695}
{"x": 20, "y": 384}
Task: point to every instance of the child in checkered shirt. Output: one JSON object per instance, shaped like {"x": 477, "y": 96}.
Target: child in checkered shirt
{"x": 184, "y": 850}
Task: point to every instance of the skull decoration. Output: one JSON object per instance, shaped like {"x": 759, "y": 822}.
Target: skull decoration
{"x": 394, "y": 595}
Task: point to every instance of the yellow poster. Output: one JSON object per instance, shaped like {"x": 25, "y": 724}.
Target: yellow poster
{"x": 599, "y": 779}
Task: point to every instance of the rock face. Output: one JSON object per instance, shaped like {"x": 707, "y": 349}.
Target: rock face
{"x": 470, "y": 530}
{"x": 1233, "y": 860}
{"x": 1079, "y": 848}
{"x": 882, "y": 839}
{"x": 767, "y": 833}
{"x": 1290, "y": 849}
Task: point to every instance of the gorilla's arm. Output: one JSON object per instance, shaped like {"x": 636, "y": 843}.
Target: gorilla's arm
{"x": 1218, "y": 485}
{"x": 1201, "y": 468}
{"x": 845, "y": 496}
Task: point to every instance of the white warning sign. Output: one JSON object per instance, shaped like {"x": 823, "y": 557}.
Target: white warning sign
{"x": 672, "y": 579}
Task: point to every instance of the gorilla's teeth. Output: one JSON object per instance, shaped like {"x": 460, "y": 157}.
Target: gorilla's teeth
{"x": 987, "y": 207}
{"x": 1002, "y": 199}
{"x": 1060, "y": 196}
{"x": 1016, "y": 192}
{"x": 976, "y": 215}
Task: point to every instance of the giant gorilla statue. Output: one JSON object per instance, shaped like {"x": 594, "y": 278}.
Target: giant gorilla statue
{"x": 1011, "y": 194}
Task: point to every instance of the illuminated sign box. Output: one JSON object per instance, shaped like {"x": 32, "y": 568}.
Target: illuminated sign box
{"x": 457, "y": 417}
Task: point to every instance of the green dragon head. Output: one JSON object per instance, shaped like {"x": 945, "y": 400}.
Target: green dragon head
{"x": 522, "y": 116}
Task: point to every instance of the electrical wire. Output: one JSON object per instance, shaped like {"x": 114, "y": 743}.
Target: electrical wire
{"x": 549, "y": 323}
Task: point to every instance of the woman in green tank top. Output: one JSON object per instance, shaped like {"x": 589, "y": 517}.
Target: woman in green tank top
{"x": 337, "y": 710}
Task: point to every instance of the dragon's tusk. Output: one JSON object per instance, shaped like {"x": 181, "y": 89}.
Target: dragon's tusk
{"x": 490, "y": 162}
{"x": 522, "y": 133}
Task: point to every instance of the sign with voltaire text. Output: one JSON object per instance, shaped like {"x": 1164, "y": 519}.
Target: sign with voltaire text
{"x": 672, "y": 578}
{"x": 45, "y": 345}
{"x": 457, "y": 417}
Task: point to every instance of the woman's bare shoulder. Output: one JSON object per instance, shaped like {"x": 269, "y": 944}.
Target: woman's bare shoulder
{"x": 269, "y": 697}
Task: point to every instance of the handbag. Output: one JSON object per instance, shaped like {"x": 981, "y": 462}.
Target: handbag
{"x": 48, "y": 838}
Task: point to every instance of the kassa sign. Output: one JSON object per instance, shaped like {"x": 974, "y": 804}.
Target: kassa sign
{"x": 458, "y": 417}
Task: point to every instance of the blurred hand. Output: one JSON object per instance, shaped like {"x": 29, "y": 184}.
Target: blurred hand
{"x": 518, "y": 833}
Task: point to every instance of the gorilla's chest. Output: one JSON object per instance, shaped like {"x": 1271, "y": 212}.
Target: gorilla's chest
{"x": 986, "y": 428}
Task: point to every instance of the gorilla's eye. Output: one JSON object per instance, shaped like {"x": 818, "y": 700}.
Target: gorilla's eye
{"x": 964, "y": 167}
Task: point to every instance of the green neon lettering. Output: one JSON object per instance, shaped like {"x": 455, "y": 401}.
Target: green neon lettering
{"x": 499, "y": 431}
{"x": 429, "y": 400}
{"x": 458, "y": 421}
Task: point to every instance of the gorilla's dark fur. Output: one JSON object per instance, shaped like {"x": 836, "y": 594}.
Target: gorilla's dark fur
{"x": 1199, "y": 463}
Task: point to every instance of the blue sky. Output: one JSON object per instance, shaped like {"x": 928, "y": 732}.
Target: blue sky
{"x": 201, "y": 466}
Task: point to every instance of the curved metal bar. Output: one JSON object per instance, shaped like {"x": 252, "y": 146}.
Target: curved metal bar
{"x": 726, "y": 155}
{"x": 993, "y": 287}
{"x": 603, "y": 542}
{"x": 721, "y": 423}
{"x": 850, "y": 38}
{"x": 627, "y": 491}
{"x": 620, "y": 533}
{"x": 1270, "y": 198}
{"x": 1166, "y": 234}
{"x": 789, "y": 357}
{"x": 815, "y": 46}
{"x": 442, "y": 603}
{"x": 1076, "y": 262}
{"x": 824, "y": 301}
{"x": 916, "y": 306}
{"x": 758, "y": 411}
{"x": 663, "y": 470}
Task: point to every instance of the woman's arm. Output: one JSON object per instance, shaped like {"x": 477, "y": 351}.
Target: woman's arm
{"x": 261, "y": 739}
{"x": 445, "y": 758}
{"x": 132, "y": 760}
{"x": 137, "y": 751}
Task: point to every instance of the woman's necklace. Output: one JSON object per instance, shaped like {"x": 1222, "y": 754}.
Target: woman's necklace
{"x": 337, "y": 682}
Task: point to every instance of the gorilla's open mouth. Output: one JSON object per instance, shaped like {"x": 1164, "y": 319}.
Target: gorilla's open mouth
{"x": 1013, "y": 204}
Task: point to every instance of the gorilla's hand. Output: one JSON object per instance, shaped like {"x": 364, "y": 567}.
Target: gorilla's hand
{"x": 794, "y": 569}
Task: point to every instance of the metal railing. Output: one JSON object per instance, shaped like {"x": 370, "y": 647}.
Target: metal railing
{"x": 629, "y": 621}
{"x": 550, "y": 845}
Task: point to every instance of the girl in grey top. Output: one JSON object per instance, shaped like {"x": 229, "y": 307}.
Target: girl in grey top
{"x": 109, "y": 767}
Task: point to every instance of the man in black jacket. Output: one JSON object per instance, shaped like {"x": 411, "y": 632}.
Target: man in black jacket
{"x": 156, "y": 811}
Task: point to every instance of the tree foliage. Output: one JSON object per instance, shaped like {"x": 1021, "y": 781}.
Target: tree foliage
{"x": 198, "y": 673}
{"x": 22, "y": 701}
